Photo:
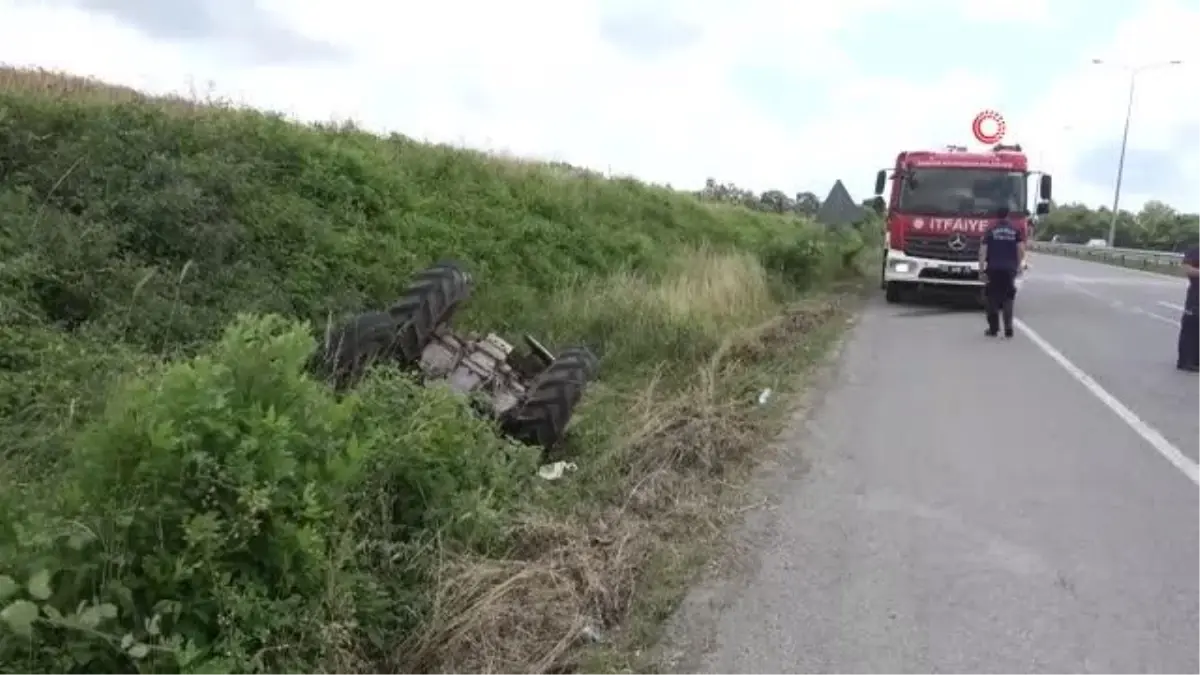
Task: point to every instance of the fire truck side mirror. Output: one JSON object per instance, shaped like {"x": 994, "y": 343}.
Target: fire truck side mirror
{"x": 1043, "y": 208}
{"x": 880, "y": 181}
{"x": 1045, "y": 186}
{"x": 877, "y": 205}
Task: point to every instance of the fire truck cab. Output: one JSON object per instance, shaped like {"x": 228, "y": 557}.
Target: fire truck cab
{"x": 940, "y": 204}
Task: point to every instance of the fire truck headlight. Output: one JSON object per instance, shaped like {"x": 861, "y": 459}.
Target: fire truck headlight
{"x": 902, "y": 267}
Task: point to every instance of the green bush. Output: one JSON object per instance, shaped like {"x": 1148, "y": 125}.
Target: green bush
{"x": 228, "y": 506}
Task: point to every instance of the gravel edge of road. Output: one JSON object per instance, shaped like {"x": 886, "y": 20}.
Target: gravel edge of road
{"x": 689, "y": 634}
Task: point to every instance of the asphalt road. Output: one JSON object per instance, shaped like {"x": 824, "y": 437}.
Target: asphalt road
{"x": 963, "y": 504}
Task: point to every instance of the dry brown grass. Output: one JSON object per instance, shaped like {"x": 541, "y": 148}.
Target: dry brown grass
{"x": 577, "y": 579}
{"x": 52, "y": 84}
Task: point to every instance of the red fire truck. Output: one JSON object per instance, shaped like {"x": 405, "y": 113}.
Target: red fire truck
{"x": 940, "y": 204}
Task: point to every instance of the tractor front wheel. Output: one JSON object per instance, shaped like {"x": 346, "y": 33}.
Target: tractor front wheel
{"x": 541, "y": 419}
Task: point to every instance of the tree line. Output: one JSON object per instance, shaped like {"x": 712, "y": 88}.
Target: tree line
{"x": 771, "y": 201}
{"x": 1156, "y": 227}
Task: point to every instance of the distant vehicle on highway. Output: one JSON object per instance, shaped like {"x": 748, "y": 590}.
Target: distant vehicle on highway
{"x": 1096, "y": 243}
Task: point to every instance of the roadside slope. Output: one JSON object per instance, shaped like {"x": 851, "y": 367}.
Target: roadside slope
{"x": 178, "y": 492}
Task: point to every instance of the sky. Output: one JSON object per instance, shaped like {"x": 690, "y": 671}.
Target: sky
{"x": 767, "y": 94}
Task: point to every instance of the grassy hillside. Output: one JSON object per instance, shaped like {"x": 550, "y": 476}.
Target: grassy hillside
{"x": 177, "y": 494}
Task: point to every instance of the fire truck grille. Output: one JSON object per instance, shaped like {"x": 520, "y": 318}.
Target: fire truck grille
{"x": 938, "y": 248}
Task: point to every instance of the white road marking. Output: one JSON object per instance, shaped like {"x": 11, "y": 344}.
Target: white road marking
{"x": 1075, "y": 286}
{"x": 1162, "y": 319}
{"x": 1121, "y": 281}
{"x": 1171, "y": 305}
{"x": 1120, "y": 306}
{"x": 1147, "y": 432}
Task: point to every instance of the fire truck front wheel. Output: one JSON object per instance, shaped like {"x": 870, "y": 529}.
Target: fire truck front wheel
{"x": 893, "y": 292}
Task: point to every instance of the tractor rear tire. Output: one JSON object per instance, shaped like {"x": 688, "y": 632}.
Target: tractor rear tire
{"x": 429, "y": 301}
{"x": 541, "y": 419}
{"x": 356, "y": 345}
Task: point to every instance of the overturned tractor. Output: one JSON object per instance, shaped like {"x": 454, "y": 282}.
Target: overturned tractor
{"x": 532, "y": 395}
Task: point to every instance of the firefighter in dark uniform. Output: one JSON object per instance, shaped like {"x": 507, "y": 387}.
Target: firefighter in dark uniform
{"x": 1189, "y": 323}
{"x": 1001, "y": 255}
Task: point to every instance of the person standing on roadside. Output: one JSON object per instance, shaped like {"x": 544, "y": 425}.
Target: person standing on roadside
{"x": 1189, "y": 323}
{"x": 1001, "y": 255}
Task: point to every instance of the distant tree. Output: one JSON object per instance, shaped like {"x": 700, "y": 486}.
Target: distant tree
{"x": 807, "y": 203}
{"x": 1156, "y": 227}
{"x": 772, "y": 201}
{"x": 776, "y": 201}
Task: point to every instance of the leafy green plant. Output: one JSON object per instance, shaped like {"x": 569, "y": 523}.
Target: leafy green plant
{"x": 214, "y": 514}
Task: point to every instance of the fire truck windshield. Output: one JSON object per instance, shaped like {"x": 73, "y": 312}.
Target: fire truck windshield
{"x": 957, "y": 191}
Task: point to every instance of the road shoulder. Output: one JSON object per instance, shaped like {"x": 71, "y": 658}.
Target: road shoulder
{"x": 873, "y": 546}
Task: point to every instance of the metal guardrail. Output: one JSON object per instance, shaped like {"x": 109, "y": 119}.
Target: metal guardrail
{"x": 1161, "y": 261}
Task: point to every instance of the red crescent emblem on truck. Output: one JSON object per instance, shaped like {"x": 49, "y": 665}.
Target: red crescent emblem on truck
{"x": 988, "y": 127}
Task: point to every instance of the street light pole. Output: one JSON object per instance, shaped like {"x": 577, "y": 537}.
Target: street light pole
{"x": 1133, "y": 73}
{"x": 1112, "y": 224}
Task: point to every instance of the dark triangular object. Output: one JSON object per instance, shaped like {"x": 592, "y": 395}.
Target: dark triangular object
{"x": 839, "y": 208}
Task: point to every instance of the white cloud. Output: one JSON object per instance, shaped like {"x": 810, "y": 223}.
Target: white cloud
{"x": 1018, "y": 12}
{"x": 93, "y": 45}
{"x": 543, "y": 81}
{"x": 1086, "y": 107}
{"x": 534, "y": 77}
